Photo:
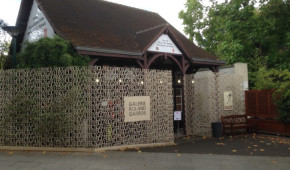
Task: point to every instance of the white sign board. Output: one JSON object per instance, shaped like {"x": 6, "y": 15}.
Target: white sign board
{"x": 246, "y": 85}
{"x": 137, "y": 108}
{"x": 177, "y": 115}
{"x": 38, "y": 26}
{"x": 104, "y": 103}
{"x": 164, "y": 44}
{"x": 228, "y": 100}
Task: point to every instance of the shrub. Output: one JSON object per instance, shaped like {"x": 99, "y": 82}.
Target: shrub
{"x": 48, "y": 125}
{"x": 18, "y": 117}
{"x": 279, "y": 80}
{"x": 50, "y": 52}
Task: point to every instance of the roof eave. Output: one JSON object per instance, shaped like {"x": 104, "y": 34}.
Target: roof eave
{"x": 106, "y": 52}
{"x": 208, "y": 61}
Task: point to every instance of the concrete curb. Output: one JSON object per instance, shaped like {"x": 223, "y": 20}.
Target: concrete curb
{"x": 55, "y": 149}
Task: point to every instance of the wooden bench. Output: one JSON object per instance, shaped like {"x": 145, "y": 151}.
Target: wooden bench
{"x": 233, "y": 122}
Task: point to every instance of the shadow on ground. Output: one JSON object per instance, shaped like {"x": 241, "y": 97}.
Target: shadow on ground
{"x": 246, "y": 144}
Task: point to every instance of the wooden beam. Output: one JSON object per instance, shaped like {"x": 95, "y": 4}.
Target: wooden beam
{"x": 110, "y": 55}
{"x": 140, "y": 64}
{"x": 93, "y": 61}
{"x": 195, "y": 69}
{"x": 214, "y": 69}
{"x": 153, "y": 59}
{"x": 176, "y": 61}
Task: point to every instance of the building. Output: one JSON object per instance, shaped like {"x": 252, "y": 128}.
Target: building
{"x": 116, "y": 35}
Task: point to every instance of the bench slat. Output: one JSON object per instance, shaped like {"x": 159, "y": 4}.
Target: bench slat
{"x": 235, "y": 122}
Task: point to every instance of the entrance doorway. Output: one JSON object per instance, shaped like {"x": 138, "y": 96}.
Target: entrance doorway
{"x": 178, "y": 99}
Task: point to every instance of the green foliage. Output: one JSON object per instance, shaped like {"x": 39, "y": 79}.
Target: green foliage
{"x": 284, "y": 106}
{"x": 4, "y": 45}
{"x": 279, "y": 80}
{"x": 272, "y": 79}
{"x": 50, "y": 52}
{"x": 192, "y": 17}
{"x": 8, "y": 64}
{"x": 20, "y": 110}
{"x": 52, "y": 123}
{"x": 19, "y": 114}
{"x": 237, "y": 31}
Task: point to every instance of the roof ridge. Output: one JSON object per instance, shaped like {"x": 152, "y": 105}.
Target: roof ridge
{"x": 116, "y": 3}
{"x": 151, "y": 28}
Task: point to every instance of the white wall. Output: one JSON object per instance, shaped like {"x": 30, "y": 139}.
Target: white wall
{"x": 38, "y": 26}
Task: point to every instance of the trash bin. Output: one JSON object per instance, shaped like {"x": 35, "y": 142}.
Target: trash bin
{"x": 216, "y": 129}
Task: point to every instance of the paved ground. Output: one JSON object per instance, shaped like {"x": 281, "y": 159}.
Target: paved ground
{"x": 134, "y": 160}
{"x": 247, "y": 144}
{"x": 189, "y": 153}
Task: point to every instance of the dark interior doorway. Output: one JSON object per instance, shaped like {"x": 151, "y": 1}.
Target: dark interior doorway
{"x": 178, "y": 99}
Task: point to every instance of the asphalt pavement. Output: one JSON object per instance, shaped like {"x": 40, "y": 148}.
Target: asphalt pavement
{"x": 245, "y": 144}
{"x": 192, "y": 152}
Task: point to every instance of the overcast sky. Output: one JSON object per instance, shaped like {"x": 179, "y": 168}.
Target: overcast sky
{"x": 168, "y": 9}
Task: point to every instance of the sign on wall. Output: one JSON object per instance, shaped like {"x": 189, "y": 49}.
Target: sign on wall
{"x": 177, "y": 115}
{"x": 137, "y": 108}
{"x": 164, "y": 44}
{"x": 38, "y": 26}
{"x": 228, "y": 100}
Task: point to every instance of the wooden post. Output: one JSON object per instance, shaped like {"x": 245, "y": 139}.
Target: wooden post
{"x": 257, "y": 102}
{"x": 183, "y": 104}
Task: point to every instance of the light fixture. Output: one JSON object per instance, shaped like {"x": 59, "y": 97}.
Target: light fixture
{"x": 120, "y": 80}
{"x": 161, "y": 81}
{"x": 142, "y": 82}
{"x": 192, "y": 81}
{"x": 178, "y": 81}
{"x": 97, "y": 80}
{"x": 13, "y": 30}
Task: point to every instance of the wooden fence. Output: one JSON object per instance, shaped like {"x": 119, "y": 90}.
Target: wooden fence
{"x": 259, "y": 104}
{"x": 260, "y": 107}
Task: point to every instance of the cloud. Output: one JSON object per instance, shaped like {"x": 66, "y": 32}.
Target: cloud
{"x": 9, "y": 11}
{"x": 168, "y": 9}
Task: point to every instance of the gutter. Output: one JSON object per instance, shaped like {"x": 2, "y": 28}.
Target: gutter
{"x": 108, "y": 51}
{"x": 208, "y": 61}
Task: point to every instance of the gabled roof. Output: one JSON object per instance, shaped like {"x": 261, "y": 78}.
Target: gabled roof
{"x": 107, "y": 27}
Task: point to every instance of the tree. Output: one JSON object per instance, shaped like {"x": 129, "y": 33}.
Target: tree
{"x": 4, "y": 44}
{"x": 237, "y": 31}
{"x": 50, "y": 52}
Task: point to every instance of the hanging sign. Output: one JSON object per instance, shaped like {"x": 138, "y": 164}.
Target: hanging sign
{"x": 228, "y": 100}
{"x": 177, "y": 115}
{"x": 137, "y": 108}
{"x": 164, "y": 44}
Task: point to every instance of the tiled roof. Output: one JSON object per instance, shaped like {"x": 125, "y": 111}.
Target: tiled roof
{"x": 98, "y": 24}
{"x": 190, "y": 48}
{"x": 104, "y": 25}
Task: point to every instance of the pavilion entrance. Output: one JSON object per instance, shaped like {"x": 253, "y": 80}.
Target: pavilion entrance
{"x": 178, "y": 65}
{"x": 178, "y": 103}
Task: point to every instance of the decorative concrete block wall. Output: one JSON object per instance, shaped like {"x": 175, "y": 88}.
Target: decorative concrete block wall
{"x": 88, "y": 102}
{"x": 204, "y": 99}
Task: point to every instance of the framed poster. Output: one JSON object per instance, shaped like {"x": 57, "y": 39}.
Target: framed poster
{"x": 228, "y": 100}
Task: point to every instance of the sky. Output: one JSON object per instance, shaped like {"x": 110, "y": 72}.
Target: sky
{"x": 168, "y": 9}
